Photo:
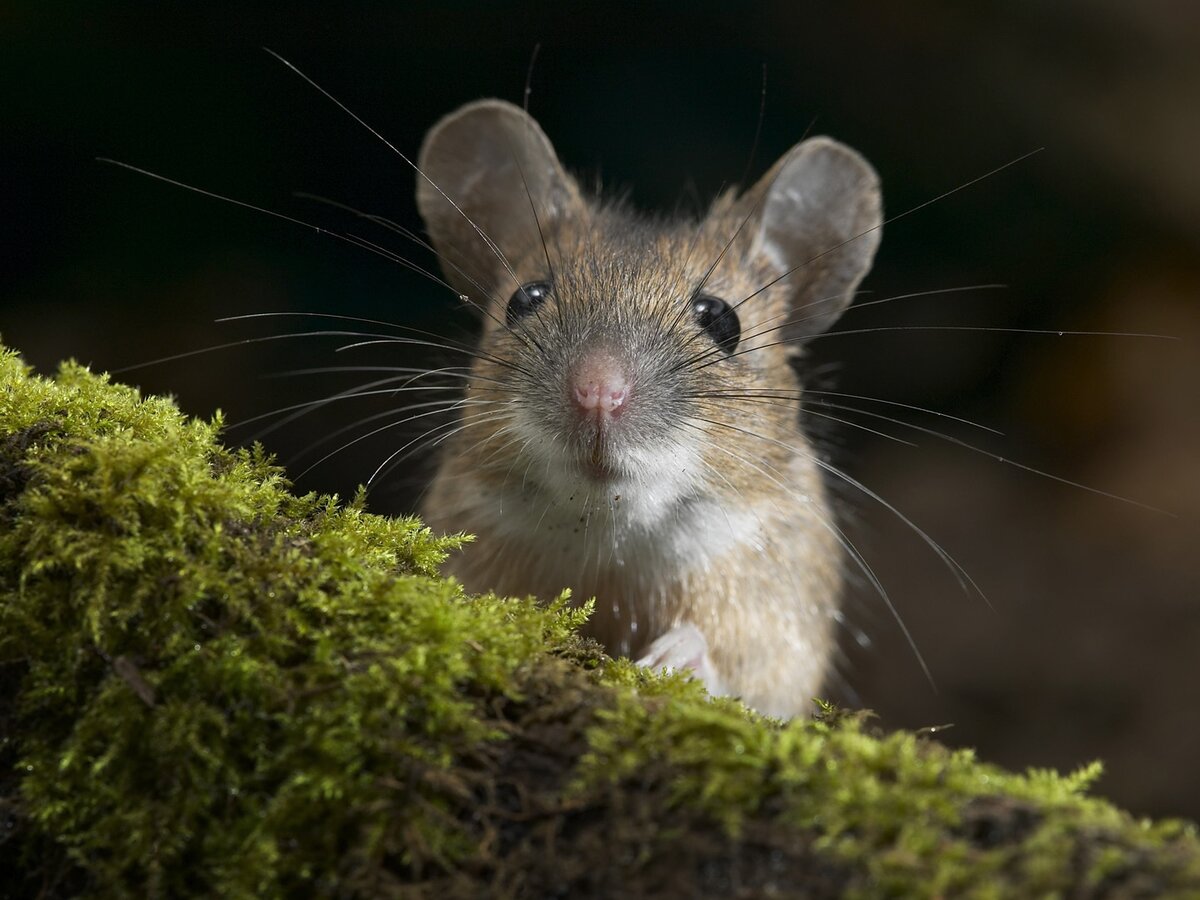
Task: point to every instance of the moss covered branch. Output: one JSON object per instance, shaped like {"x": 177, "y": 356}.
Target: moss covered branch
{"x": 211, "y": 686}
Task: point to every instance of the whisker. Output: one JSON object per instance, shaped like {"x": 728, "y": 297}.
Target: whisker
{"x": 491, "y": 245}
{"x": 349, "y": 394}
{"x": 239, "y": 343}
{"x": 481, "y": 308}
{"x": 431, "y": 438}
{"x": 762, "y": 115}
{"x": 736, "y": 408}
{"x": 895, "y": 218}
{"x": 299, "y": 410}
{"x": 396, "y": 453}
{"x": 442, "y": 341}
{"x": 416, "y": 371}
{"x": 855, "y": 555}
{"x": 353, "y": 240}
{"x": 984, "y": 329}
{"x": 397, "y": 423}
{"x": 802, "y": 395}
{"x": 917, "y": 294}
{"x": 1055, "y": 332}
{"x": 410, "y": 235}
{"x": 957, "y": 570}
{"x": 390, "y": 340}
{"x": 769, "y": 326}
{"x": 333, "y": 435}
{"x": 720, "y": 256}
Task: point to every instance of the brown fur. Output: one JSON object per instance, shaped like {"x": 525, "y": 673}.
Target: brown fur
{"x": 720, "y": 517}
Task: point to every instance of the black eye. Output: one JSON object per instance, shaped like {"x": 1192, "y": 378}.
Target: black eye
{"x": 718, "y": 320}
{"x": 525, "y": 300}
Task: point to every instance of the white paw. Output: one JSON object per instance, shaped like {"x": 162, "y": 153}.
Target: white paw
{"x": 684, "y": 648}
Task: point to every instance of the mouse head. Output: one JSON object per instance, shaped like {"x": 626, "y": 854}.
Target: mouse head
{"x": 491, "y": 190}
{"x": 620, "y": 348}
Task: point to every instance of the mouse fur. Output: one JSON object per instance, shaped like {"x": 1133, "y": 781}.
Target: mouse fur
{"x": 613, "y": 439}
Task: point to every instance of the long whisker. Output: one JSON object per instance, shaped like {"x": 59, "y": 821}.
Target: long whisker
{"x": 855, "y": 555}
{"x": 537, "y": 223}
{"x": 431, "y": 438}
{"x": 495, "y": 360}
{"x": 1054, "y": 332}
{"x": 451, "y": 371}
{"x": 353, "y": 240}
{"x": 409, "y": 235}
{"x": 735, "y": 408}
{"x": 396, "y": 453}
{"x": 890, "y": 220}
{"x": 758, "y": 201}
{"x": 358, "y": 423}
{"x": 442, "y": 343}
{"x": 762, "y": 115}
{"x": 300, "y": 410}
{"x": 215, "y": 196}
{"x": 1009, "y": 462}
{"x": 984, "y": 329}
{"x": 491, "y": 245}
{"x": 813, "y": 392}
{"x": 247, "y": 341}
{"x": 918, "y": 294}
{"x": 776, "y": 323}
{"x": 957, "y": 570}
{"x": 441, "y": 410}
{"x": 858, "y": 305}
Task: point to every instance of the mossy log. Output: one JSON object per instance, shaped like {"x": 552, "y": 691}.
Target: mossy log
{"x": 210, "y": 686}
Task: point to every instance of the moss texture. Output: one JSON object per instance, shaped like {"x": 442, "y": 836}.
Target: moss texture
{"x": 211, "y": 686}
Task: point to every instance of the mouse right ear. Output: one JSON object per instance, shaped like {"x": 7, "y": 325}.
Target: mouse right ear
{"x": 819, "y": 220}
{"x": 485, "y": 171}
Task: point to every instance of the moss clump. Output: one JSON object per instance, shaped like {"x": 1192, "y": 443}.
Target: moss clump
{"x": 902, "y": 814}
{"x": 221, "y": 687}
{"x": 210, "y": 686}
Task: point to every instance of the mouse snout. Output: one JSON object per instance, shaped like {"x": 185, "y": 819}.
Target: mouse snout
{"x": 599, "y": 387}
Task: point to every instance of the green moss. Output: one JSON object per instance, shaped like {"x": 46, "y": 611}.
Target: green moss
{"x": 214, "y": 674}
{"x": 896, "y": 809}
{"x": 209, "y": 685}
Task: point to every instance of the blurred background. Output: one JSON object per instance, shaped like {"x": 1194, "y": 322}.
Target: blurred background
{"x": 1090, "y": 647}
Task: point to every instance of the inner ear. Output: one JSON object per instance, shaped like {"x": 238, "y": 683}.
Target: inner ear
{"x": 488, "y": 179}
{"x": 819, "y": 219}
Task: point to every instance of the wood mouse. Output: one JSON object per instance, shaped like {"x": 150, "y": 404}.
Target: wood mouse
{"x": 631, "y": 423}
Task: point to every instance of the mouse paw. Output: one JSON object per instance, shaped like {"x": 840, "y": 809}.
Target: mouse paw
{"x": 684, "y": 648}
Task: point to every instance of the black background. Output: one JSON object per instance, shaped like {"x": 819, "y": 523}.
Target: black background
{"x": 1090, "y": 647}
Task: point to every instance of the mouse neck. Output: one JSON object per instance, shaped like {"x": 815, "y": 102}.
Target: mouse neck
{"x": 595, "y": 528}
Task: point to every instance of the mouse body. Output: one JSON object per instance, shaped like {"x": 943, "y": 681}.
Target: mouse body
{"x": 630, "y": 427}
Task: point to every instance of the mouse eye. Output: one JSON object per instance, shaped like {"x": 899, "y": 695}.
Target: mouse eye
{"x": 718, "y": 320}
{"x": 525, "y": 300}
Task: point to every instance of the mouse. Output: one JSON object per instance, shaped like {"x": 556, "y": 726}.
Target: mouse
{"x": 630, "y": 427}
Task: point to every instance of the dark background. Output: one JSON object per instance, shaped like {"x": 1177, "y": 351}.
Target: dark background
{"x": 1091, "y": 647}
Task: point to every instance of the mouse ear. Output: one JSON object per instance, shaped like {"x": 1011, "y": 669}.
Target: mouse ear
{"x": 819, "y": 219}
{"x": 483, "y": 172}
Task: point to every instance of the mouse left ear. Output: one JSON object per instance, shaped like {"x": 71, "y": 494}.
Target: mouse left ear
{"x": 488, "y": 185}
{"x": 819, "y": 218}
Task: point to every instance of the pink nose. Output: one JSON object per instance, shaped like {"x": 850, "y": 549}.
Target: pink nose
{"x": 599, "y": 386}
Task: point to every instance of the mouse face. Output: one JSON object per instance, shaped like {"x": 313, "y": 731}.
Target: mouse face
{"x": 630, "y": 361}
{"x": 609, "y": 366}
